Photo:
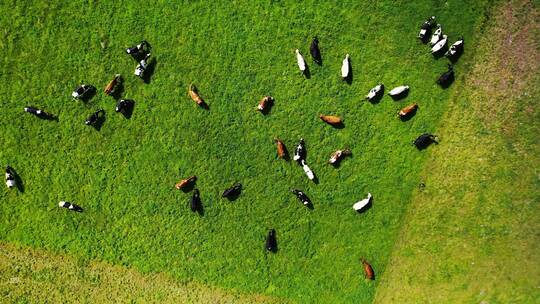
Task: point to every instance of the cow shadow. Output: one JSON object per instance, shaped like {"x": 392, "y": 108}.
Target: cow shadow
{"x": 189, "y": 187}
{"x": 18, "y": 180}
{"x": 77, "y": 208}
{"x": 400, "y": 96}
{"x": 150, "y": 69}
{"x": 89, "y": 95}
{"x": 437, "y": 55}
{"x": 409, "y": 116}
{"x": 339, "y": 125}
{"x": 456, "y": 56}
{"x": 118, "y": 91}
{"x": 307, "y": 72}
{"x": 199, "y": 209}
{"x": 350, "y": 77}
{"x": 100, "y": 121}
{"x": 366, "y": 207}
{"x": 377, "y": 98}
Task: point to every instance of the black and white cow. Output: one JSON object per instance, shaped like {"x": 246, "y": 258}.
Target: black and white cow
{"x": 300, "y": 151}
{"x": 139, "y": 51}
{"x": 94, "y": 117}
{"x": 455, "y": 49}
{"x": 10, "y": 177}
{"x": 82, "y": 91}
{"x": 70, "y": 206}
{"x": 141, "y": 67}
{"x": 425, "y": 29}
{"x": 39, "y": 113}
{"x": 302, "y": 197}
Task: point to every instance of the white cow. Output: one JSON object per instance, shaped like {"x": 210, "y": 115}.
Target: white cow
{"x": 363, "y": 203}
{"x": 301, "y": 61}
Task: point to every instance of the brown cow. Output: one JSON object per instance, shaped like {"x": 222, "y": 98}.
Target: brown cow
{"x": 194, "y": 94}
{"x": 112, "y": 84}
{"x": 281, "y": 149}
{"x": 265, "y": 103}
{"x": 368, "y": 270}
{"x": 338, "y": 155}
{"x": 185, "y": 182}
{"x": 331, "y": 120}
{"x": 408, "y": 110}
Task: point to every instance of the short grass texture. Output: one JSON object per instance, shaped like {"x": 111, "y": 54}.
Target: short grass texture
{"x": 236, "y": 52}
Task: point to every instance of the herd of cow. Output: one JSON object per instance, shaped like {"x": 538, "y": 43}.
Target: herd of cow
{"x": 141, "y": 53}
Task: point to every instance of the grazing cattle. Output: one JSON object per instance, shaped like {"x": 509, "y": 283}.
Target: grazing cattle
{"x": 307, "y": 170}
{"x": 271, "y": 241}
{"x": 10, "y": 177}
{"x": 331, "y": 120}
{"x": 232, "y": 191}
{"x": 374, "y": 92}
{"x": 426, "y": 27}
{"x": 345, "y": 67}
{"x": 124, "y": 105}
{"x": 455, "y": 48}
{"x": 300, "y": 151}
{"x": 302, "y": 197}
{"x": 195, "y": 202}
{"x": 39, "y": 113}
{"x": 185, "y": 182}
{"x": 338, "y": 155}
{"x": 265, "y": 103}
{"x": 139, "y": 51}
{"x": 112, "y": 84}
{"x": 82, "y": 91}
{"x": 315, "y": 51}
{"x": 70, "y": 206}
{"x": 408, "y": 111}
{"x": 94, "y": 117}
{"x": 195, "y": 96}
{"x": 358, "y": 206}
{"x": 141, "y": 67}
{"x": 281, "y": 149}
{"x": 368, "y": 270}
{"x": 440, "y": 45}
{"x": 424, "y": 140}
{"x": 436, "y": 35}
{"x": 447, "y": 77}
{"x": 397, "y": 91}
{"x": 300, "y": 60}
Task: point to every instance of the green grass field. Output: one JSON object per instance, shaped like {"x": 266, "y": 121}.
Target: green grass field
{"x": 236, "y": 52}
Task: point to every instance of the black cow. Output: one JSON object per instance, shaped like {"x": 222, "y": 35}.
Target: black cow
{"x": 93, "y": 119}
{"x": 315, "y": 51}
{"x": 271, "y": 241}
{"x": 39, "y": 113}
{"x": 424, "y": 140}
{"x": 300, "y": 151}
{"x": 195, "y": 202}
{"x": 447, "y": 77}
{"x": 302, "y": 197}
{"x": 232, "y": 192}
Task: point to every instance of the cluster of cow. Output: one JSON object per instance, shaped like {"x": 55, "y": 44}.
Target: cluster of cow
{"x": 141, "y": 53}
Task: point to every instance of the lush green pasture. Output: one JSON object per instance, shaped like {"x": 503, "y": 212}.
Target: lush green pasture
{"x": 236, "y": 52}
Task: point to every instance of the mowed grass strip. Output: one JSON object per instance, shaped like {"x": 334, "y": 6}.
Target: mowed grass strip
{"x": 235, "y": 52}
{"x": 471, "y": 236}
{"x": 36, "y": 276}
